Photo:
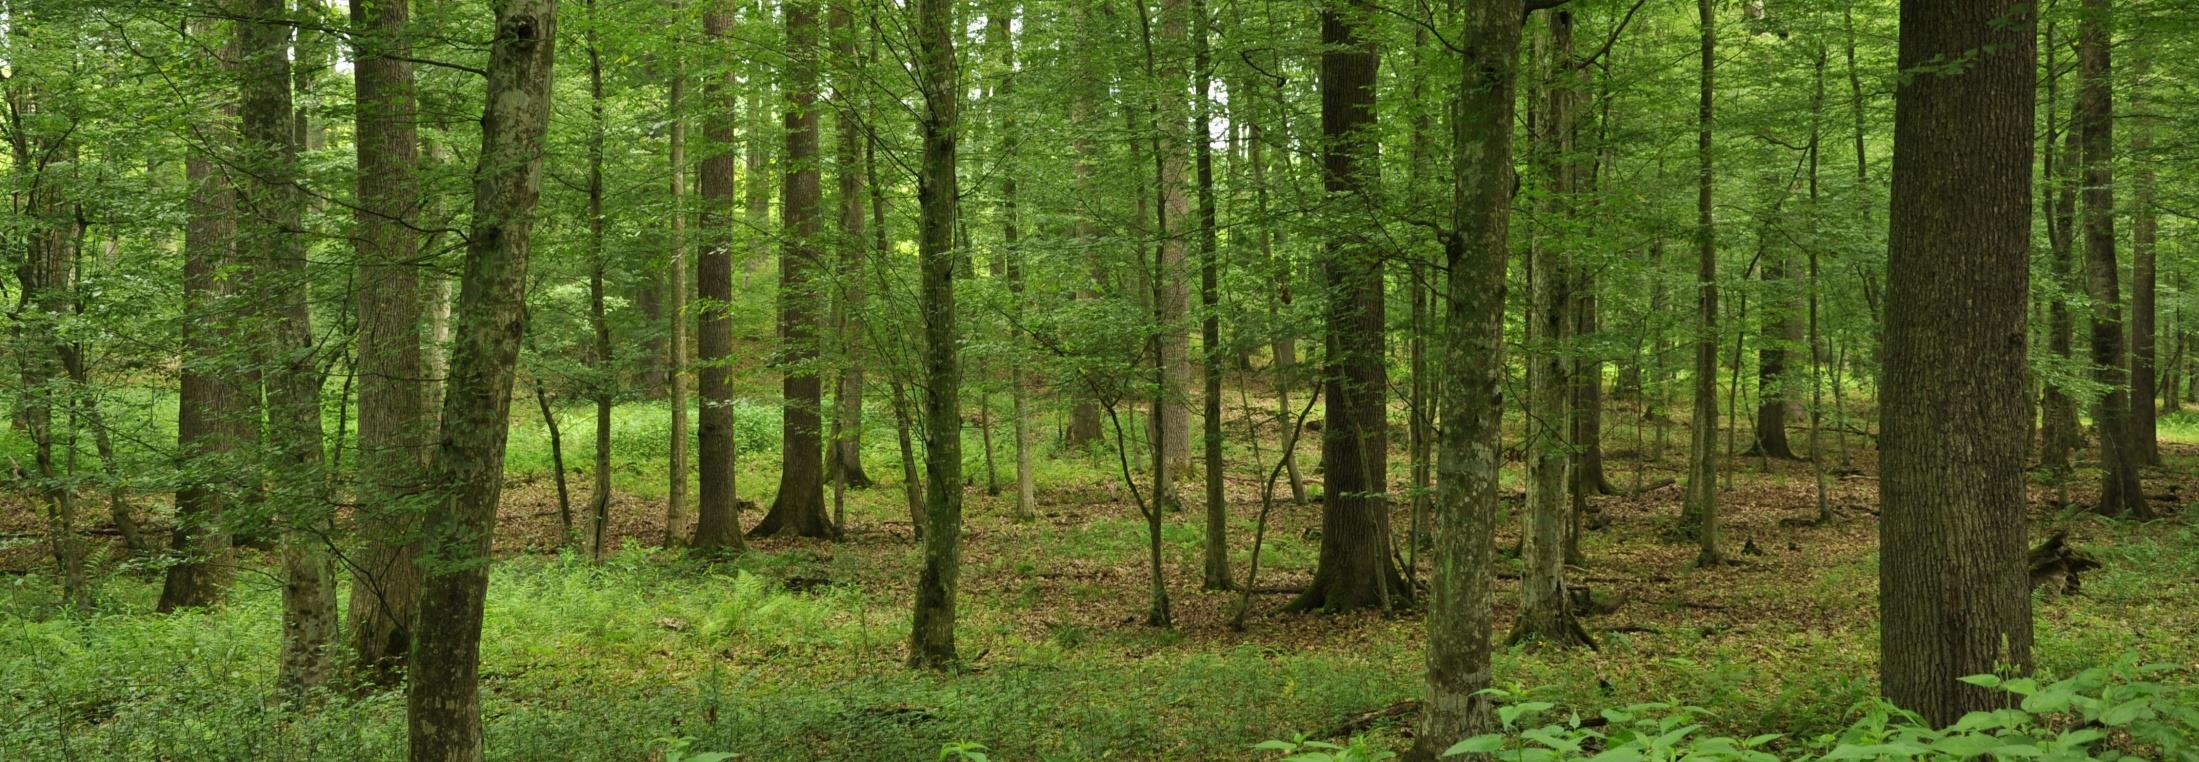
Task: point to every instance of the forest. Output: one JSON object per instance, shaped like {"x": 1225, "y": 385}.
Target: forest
{"x": 1310, "y": 380}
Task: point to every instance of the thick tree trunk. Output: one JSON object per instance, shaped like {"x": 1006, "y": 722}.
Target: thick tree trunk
{"x": 717, "y": 512}
{"x": 2145, "y": 227}
{"x": 1355, "y": 568}
{"x": 393, "y": 442}
{"x": 212, "y": 402}
{"x": 1699, "y": 519}
{"x": 2120, "y": 455}
{"x": 931, "y": 632}
{"x": 1471, "y": 347}
{"x": 443, "y": 710}
{"x": 1954, "y": 592}
{"x": 1782, "y": 333}
{"x": 1172, "y": 285}
{"x": 799, "y": 507}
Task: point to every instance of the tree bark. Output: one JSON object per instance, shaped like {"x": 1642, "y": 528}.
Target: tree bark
{"x": 1471, "y": 349}
{"x": 844, "y": 455}
{"x": 1355, "y": 568}
{"x": 1699, "y": 519}
{"x": 2145, "y": 227}
{"x": 931, "y": 631}
{"x": 443, "y": 711}
{"x": 1954, "y": 591}
{"x": 717, "y": 512}
{"x": 393, "y": 443}
{"x": 2120, "y": 454}
{"x": 1216, "y": 545}
{"x": 676, "y": 509}
{"x": 2059, "y": 431}
{"x": 799, "y": 507}
{"x": 604, "y": 384}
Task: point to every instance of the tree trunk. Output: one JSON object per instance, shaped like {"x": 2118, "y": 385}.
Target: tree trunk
{"x": 717, "y": 512}
{"x": 604, "y": 385}
{"x": 443, "y": 710}
{"x": 1210, "y": 328}
{"x": 2059, "y": 430}
{"x": 1954, "y": 593}
{"x": 1471, "y": 346}
{"x": 393, "y": 448}
{"x": 212, "y": 402}
{"x": 799, "y": 507}
{"x": 676, "y": 510}
{"x": 299, "y": 500}
{"x": 1172, "y": 283}
{"x": 1355, "y": 567}
{"x": 2120, "y": 456}
{"x": 844, "y": 453}
{"x": 931, "y": 632}
{"x": 1699, "y": 519}
{"x": 2145, "y": 226}
{"x": 1781, "y": 334}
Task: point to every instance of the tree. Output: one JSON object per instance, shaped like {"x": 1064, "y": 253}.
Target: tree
{"x": 1471, "y": 348}
{"x": 799, "y": 507}
{"x": 717, "y": 520}
{"x": 675, "y": 364}
{"x": 844, "y": 453}
{"x": 443, "y": 709}
{"x": 1954, "y": 591}
{"x": 270, "y": 231}
{"x": 393, "y": 440}
{"x": 1210, "y": 325}
{"x": 2059, "y": 432}
{"x": 211, "y": 397}
{"x": 931, "y": 632}
{"x": 603, "y": 371}
{"x": 2145, "y": 227}
{"x": 1699, "y": 519}
{"x": 2120, "y": 452}
{"x": 1354, "y": 569}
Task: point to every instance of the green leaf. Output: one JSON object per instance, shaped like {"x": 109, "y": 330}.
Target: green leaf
{"x": 1482, "y": 744}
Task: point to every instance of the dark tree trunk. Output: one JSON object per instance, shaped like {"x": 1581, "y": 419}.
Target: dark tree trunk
{"x": 2120, "y": 454}
{"x": 2145, "y": 227}
{"x": 931, "y": 632}
{"x": 604, "y": 385}
{"x": 1210, "y": 328}
{"x": 1355, "y": 569}
{"x": 443, "y": 709}
{"x": 1782, "y": 333}
{"x": 799, "y": 507}
{"x": 2059, "y": 430}
{"x": 1954, "y": 591}
{"x": 717, "y": 512}
{"x": 844, "y": 455}
{"x": 393, "y": 440}
{"x": 1471, "y": 347}
{"x": 209, "y": 415}
{"x": 1699, "y": 519}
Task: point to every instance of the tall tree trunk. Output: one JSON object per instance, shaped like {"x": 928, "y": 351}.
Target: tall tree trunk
{"x": 212, "y": 403}
{"x": 2059, "y": 431}
{"x": 604, "y": 384}
{"x": 443, "y": 710}
{"x": 931, "y": 632}
{"x": 1172, "y": 284}
{"x": 1210, "y": 326}
{"x": 1471, "y": 347}
{"x": 299, "y": 500}
{"x": 676, "y": 509}
{"x": 2120, "y": 455}
{"x": 1954, "y": 591}
{"x": 844, "y": 455}
{"x": 1699, "y": 519}
{"x": 799, "y": 507}
{"x": 2145, "y": 226}
{"x": 717, "y": 511}
{"x": 393, "y": 443}
{"x": 1546, "y": 614}
{"x": 1355, "y": 567}
{"x": 999, "y": 33}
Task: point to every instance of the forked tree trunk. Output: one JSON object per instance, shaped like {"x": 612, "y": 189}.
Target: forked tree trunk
{"x": 1954, "y": 591}
{"x": 443, "y": 709}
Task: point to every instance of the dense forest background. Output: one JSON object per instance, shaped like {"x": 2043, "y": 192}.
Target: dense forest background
{"x": 865, "y": 379}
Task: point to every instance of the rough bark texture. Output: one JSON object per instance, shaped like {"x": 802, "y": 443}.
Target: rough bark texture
{"x": 799, "y": 507}
{"x": 1355, "y": 569}
{"x": 844, "y": 455}
{"x": 2120, "y": 456}
{"x": 2145, "y": 231}
{"x": 443, "y": 709}
{"x": 931, "y": 632}
{"x": 269, "y": 235}
{"x": 717, "y": 517}
{"x": 393, "y": 442}
{"x": 2059, "y": 431}
{"x": 1699, "y": 518}
{"x": 1782, "y": 333}
{"x": 1471, "y": 349}
{"x": 1172, "y": 288}
{"x": 209, "y": 414}
{"x": 1953, "y": 588}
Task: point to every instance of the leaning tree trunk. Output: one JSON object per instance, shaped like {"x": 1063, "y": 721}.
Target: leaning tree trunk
{"x": 799, "y": 507}
{"x": 385, "y": 584}
{"x": 2120, "y": 454}
{"x": 931, "y": 632}
{"x": 1355, "y": 568}
{"x": 1954, "y": 591}
{"x": 717, "y": 516}
{"x": 443, "y": 709}
{"x": 1471, "y": 347}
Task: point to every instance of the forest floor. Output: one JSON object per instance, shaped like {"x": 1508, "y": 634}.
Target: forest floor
{"x": 793, "y": 650}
